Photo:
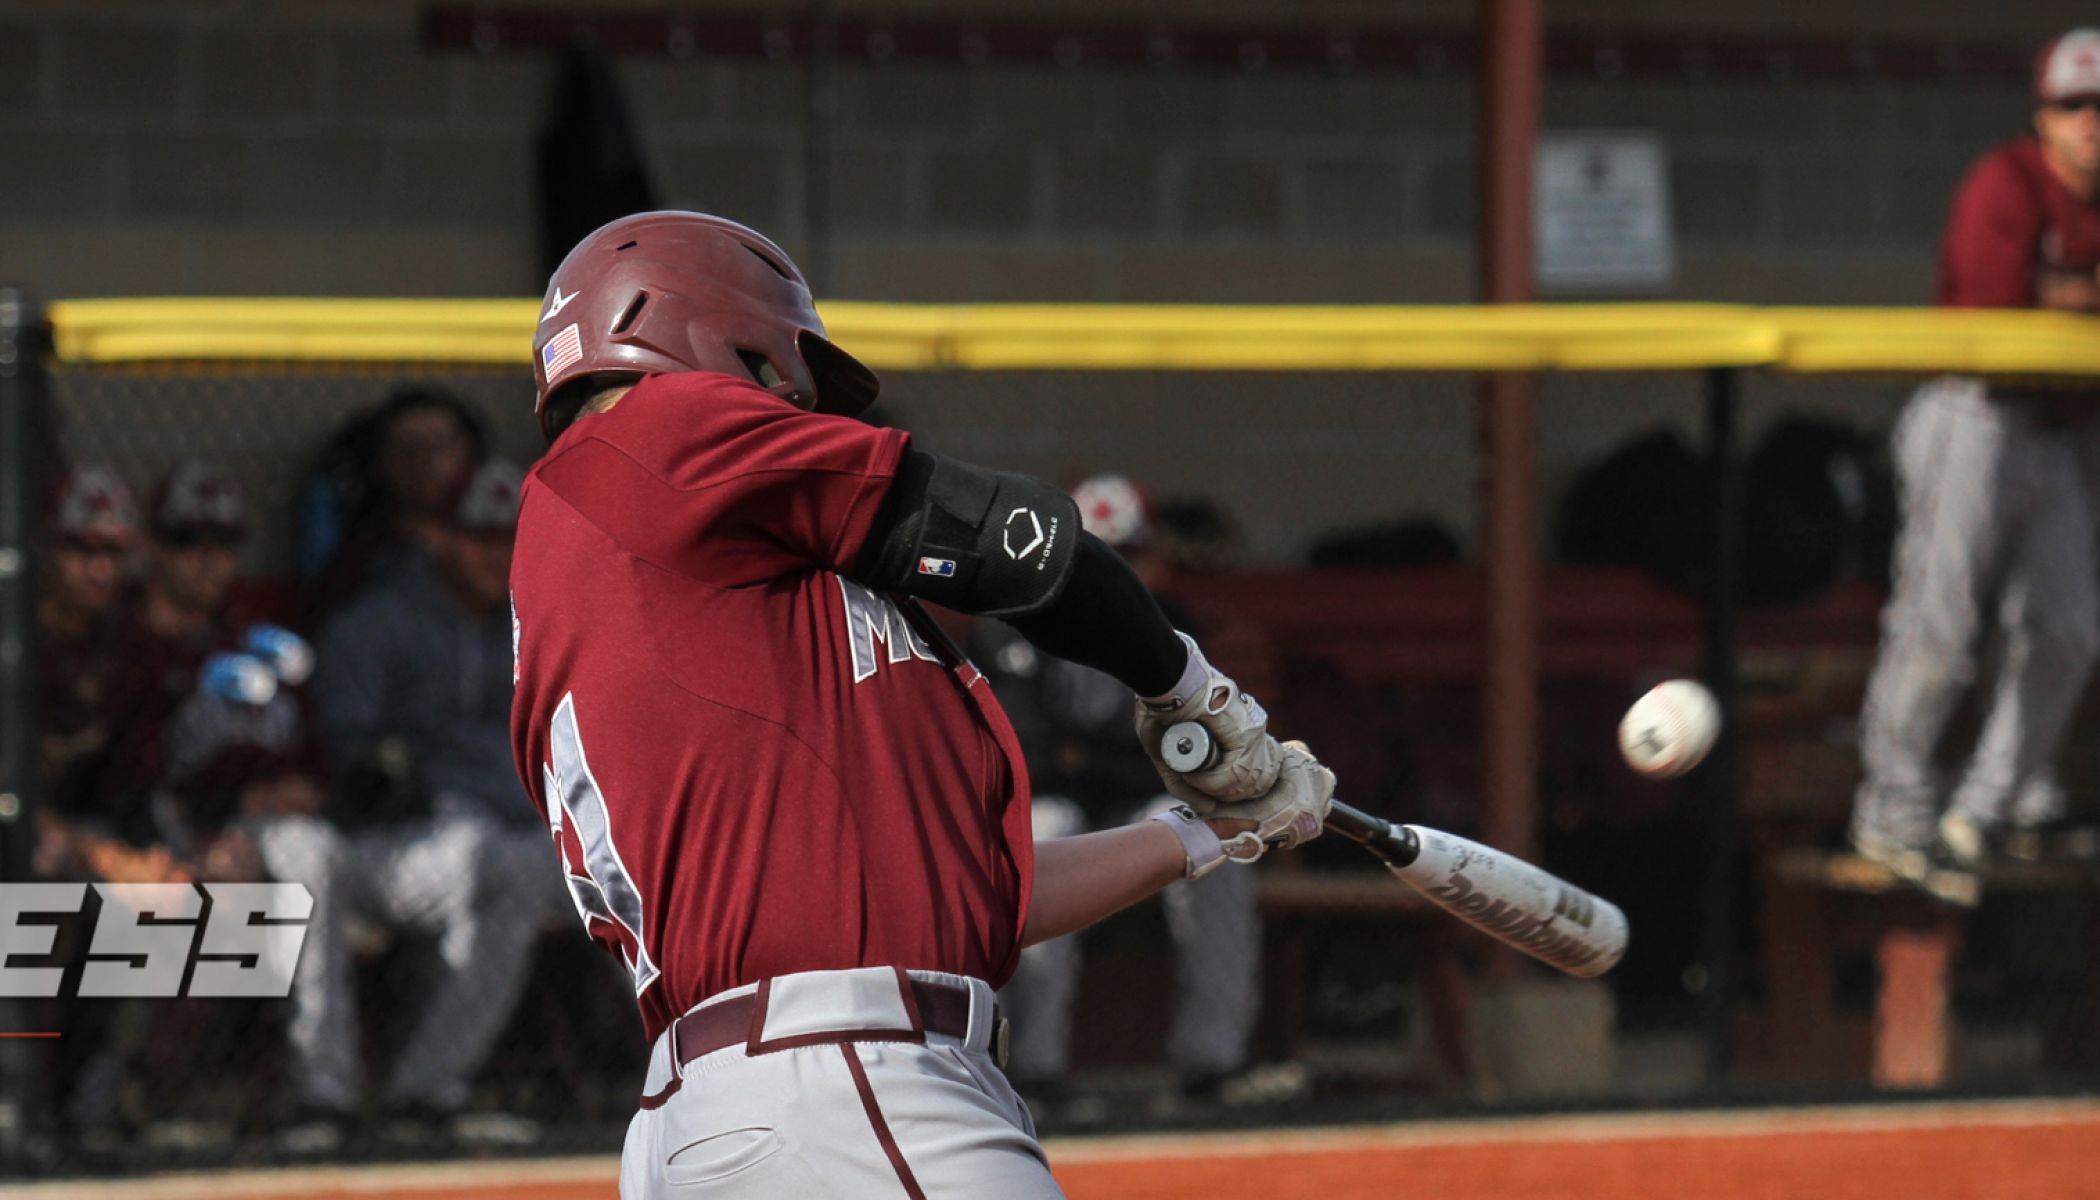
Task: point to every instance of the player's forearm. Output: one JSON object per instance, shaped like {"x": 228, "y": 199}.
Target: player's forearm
{"x": 1106, "y": 619}
{"x": 1079, "y": 880}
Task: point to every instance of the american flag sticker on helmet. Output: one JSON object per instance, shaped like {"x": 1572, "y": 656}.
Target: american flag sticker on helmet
{"x": 943, "y": 567}
{"x": 563, "y": 350}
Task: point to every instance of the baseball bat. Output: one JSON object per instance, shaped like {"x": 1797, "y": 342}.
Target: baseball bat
{"x": 1499, "y": 894}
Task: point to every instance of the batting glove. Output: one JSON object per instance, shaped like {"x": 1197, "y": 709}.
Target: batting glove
{"x": 1289, "y": 814}
{"x": 1245, "y": 760}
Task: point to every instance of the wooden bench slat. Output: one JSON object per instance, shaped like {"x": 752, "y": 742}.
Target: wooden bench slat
{"x": 1347, "y": 890}
{"x": 1843, "y": 872}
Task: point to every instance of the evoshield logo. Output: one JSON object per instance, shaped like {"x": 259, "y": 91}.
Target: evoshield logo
{"x": 1024, "y": 535}
{"x": 1023, "y": 526}
{"x": 147, "y": 944}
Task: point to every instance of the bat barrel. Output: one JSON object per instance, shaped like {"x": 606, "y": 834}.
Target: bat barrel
{"x": 1517, "y": 903}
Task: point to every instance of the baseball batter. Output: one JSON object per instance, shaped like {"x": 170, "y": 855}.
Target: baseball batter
{"x": 780, "y": 796}
{"x": 1995, "y": 561}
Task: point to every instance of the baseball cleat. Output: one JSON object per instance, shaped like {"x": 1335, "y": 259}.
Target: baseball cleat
{"x": 1906, "y": 862}
{"x": 1962, "y": 841}
{"x": 1931, "y": 871}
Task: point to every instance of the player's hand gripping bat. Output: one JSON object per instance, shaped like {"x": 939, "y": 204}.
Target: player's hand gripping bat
{"x": 1507, "y": 898}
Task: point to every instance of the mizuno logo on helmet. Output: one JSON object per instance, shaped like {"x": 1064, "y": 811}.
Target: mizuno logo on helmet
{"x": 558, "y": 303}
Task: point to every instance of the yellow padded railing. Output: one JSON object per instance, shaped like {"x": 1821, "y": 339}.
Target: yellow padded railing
{"x": 1088, "y": 337}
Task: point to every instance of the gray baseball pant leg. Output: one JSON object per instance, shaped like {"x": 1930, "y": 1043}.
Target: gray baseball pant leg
{"x": 2041, "y": 799}
{"x": 1214, "y": 925}
{"x": 323, "y": 1032}
{"x": 1038, "y": 999}
{"x": 2050, "y": 620}
{"x": 446, "y": 876}
{"x": 1954, "y": 470}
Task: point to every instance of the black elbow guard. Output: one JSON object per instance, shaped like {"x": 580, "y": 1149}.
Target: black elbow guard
{"x": 977, "y": 541}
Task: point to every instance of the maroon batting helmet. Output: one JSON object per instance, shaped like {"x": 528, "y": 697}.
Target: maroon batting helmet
{"x": 659, "y": 292}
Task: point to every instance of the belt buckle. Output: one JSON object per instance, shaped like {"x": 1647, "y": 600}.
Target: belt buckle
{"x": 1002, "y": 1039}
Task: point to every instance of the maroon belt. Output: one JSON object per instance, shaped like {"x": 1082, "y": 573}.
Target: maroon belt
{"x": 942, "y": 1008}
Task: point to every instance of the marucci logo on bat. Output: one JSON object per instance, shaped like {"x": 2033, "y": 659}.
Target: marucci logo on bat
{"x": 1519, "y": 928}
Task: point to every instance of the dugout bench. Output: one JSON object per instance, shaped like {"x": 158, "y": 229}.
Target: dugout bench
{"x": 1296, "y": 900}
{"x": 1803, "y": 668}
{"x": 1819, "y": 905}
{"x": 1859, "y": 967}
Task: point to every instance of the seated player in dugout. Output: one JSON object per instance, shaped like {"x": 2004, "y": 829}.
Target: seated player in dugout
{"x": 781, "y": 796}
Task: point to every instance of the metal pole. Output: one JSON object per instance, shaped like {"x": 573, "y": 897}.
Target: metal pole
{"x": 1719, "y": 780}
{"x": 1512, "y": 44}
{"x": 820, "y": 111}
{"x": 22, "y": 440}
{"x": 20, "y": 434}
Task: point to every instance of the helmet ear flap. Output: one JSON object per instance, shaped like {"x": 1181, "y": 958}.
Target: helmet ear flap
{"x": 844, "y": 384}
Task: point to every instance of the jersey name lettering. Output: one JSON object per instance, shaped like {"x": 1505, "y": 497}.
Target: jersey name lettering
{"x": 870, "y": 619}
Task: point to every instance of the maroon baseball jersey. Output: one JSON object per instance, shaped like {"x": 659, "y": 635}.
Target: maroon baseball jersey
{"x": 2012, "y": 221}
{"x": 77, "y": 694}
{"x": 152, "y": 674}
{"x": 752, "y": 764}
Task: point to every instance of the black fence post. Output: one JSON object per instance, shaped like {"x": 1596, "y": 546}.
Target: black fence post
{"x": 23, "y": 437}
{"x": 1719, "y": 779}
{"x": 820, "y": 113}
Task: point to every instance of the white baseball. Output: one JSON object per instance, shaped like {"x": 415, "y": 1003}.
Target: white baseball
{"x": 1670, "y": 729}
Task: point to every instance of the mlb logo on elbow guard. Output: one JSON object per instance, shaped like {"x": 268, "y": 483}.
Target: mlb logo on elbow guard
{"x": 156, "y": 939}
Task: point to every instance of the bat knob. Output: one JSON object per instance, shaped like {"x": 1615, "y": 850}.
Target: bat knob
{"x": 1185, "y": 747}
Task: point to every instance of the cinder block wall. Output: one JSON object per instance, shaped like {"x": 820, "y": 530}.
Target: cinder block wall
{"x": 222, "y": 148}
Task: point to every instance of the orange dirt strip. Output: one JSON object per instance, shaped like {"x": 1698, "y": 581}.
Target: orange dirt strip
{"x": 2016, "y": 1151}
{"x": 1977, "y": 1163}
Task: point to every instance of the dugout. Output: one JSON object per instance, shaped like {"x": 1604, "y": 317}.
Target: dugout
{"x": 257, "y": 384}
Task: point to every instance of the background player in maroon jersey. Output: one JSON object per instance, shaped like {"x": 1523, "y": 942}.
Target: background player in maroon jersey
{"x": 780, "y": 795}
{"x": 94, "y": 527}
{"x": 161, "y": 635}
{"x": 1995, "y": 559}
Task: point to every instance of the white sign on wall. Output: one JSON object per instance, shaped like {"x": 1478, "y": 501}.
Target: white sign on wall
{"x": 1601, "y": 213}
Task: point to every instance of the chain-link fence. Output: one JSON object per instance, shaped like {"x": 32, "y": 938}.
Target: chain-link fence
{"x": 1320, "y": 529}
{"x": 211, "y": 532}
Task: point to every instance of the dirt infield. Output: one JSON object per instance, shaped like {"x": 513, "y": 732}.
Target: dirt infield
{"x": 2043, "y": 1153}
{"x": 2006, "y": 1151}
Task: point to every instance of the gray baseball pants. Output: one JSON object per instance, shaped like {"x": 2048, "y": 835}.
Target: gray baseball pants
{"x": 1995, "y": 582}
{"x": 481, "y": 887}
{"x": 838, "y": 1119}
